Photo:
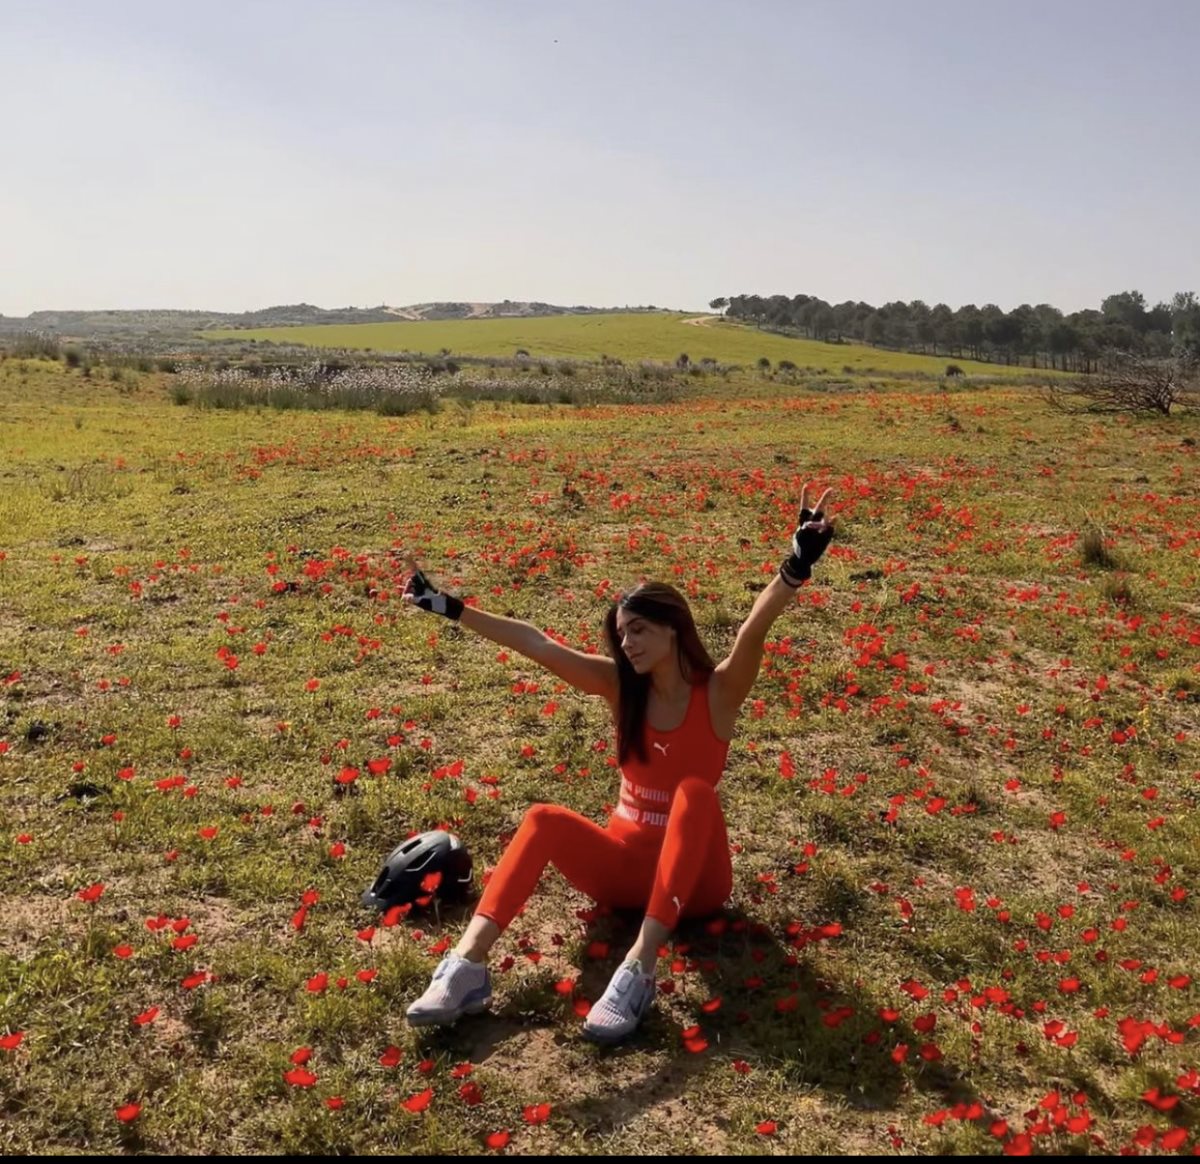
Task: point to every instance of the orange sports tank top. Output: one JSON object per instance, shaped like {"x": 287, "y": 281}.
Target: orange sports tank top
{"x": 647, "y": 787}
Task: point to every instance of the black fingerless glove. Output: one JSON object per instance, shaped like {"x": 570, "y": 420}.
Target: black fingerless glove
{"x": 428, "y": 597}
{"x": 809, "y": 540}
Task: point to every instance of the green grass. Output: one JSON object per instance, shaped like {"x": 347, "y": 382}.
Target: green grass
{"x": 634, "y": 336}
{"x": 956, "y": 651}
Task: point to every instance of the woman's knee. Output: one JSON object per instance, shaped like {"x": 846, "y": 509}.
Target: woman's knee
{"x": 546, "y": 819}
{"x": 537, "y": 816}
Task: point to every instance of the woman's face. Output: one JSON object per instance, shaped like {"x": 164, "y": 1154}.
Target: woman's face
{"x": 644, "y": 642}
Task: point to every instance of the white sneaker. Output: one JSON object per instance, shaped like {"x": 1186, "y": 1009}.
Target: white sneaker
{"x": 621, "y": 1007}
{"x": 458, "y": 987}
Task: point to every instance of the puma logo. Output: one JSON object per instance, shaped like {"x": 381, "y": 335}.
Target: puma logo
{"x": 661, "y": 747}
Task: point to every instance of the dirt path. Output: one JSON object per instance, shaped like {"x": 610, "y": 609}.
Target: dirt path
{"x": 700, "y": 320}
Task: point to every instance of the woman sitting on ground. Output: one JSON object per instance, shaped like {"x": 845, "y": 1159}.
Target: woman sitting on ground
{"x": 665, "y": 848}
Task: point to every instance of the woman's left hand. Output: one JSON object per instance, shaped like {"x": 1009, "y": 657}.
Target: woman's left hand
{"x": 812, "y": 535}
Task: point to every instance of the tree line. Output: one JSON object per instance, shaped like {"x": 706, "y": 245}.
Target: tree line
{"x": 1042, "y": 336}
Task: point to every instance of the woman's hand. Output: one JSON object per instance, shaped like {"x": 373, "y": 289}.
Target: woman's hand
{"x": 419, "y": 591}
{"x": 813, "y": 533}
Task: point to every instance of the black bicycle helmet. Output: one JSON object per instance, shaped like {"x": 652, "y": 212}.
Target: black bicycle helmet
{"x": 405, "y": 875}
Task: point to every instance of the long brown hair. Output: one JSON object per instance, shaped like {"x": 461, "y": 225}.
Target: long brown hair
{"x": 663, "y": 604}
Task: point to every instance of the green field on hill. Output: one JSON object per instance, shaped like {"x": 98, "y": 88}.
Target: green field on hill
{"x": 627, "y": 336}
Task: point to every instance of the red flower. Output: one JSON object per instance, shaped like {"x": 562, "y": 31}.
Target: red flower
{"x": 11, "y": 1042}
{"x": 91, "y": 893}
{"x": 537, "y": 1113}
{"x": 147, "y": 1016}
{"x": 299, "y": 1077}
{"x": 391, "y": 1057}
{"x": 301, "y": 1055}
{"x": 122, "y": 951}
{"x": 418, "y": 1102}
{"x": 317, "y": 983}
{"x": 129, "y": 1112}
{"x": 767, "y": 1128}
{"x": 498, "y": 1141}
{"x": 1158, "y": 1101}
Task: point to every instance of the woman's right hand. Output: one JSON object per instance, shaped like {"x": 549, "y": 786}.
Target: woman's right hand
{"x": 421, "y": 592}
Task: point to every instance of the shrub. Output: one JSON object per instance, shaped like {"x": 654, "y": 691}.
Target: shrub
{"x": 31, "y": 345}
{"x": 1095, "y": 552}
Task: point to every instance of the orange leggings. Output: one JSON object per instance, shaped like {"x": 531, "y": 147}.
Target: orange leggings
{"x": 689, "y": 873}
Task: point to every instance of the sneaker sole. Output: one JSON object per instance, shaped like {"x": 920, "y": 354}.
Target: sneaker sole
{"x": 606, "y": 1040}
{"x": 594, "y": 1035}
{"x": 429, "y": 1020}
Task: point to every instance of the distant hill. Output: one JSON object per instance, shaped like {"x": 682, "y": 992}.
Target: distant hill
{"x": 506, "y": 309}
{"x": 162, "y": 323}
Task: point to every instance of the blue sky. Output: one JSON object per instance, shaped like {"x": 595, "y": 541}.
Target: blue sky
{"x": 231, "y": 156}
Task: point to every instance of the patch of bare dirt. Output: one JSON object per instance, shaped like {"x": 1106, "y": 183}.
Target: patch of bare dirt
{"x": 28, "y": 921}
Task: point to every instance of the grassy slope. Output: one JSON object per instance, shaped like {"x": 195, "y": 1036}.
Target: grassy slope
{"x": 635, "y": 336}
{"x": 954, "y": 644}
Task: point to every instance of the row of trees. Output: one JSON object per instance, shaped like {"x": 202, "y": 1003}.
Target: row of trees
{"x": 1042, "y": 336}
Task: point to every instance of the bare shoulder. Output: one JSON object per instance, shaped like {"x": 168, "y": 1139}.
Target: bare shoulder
{"x": 591, "y": 674}
{"x": 723, "y": 706}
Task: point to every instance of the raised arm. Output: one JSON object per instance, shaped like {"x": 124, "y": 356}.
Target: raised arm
{"x": 591, "y": 674}
{"x": 735, "y": 675}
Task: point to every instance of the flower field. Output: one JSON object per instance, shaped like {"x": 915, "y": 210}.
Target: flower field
{"x": 962, "y": 798}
